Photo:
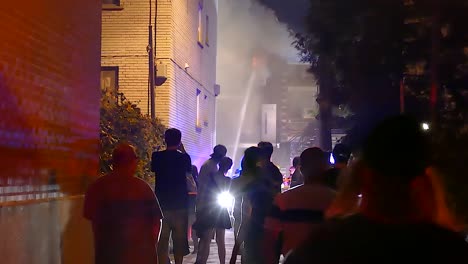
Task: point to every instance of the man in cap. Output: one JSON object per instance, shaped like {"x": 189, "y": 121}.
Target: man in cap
{"x": 124, "y": 212}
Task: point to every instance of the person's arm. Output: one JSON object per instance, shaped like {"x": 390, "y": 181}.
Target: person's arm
{"x": 188, "y": 163}
{"x": 152, "y": 204}
{"x": 153, "y": 162}
{"x": 157, "y": 216}
{"x": 277, "y": 178}
{"x": 271, "y": 245}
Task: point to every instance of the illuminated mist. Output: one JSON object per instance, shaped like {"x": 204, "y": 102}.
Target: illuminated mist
{"x": 247, "y": 33}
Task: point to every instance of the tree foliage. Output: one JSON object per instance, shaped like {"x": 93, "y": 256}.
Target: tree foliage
{"x": 362, "y": 50}
{"x": 122, "y": 121}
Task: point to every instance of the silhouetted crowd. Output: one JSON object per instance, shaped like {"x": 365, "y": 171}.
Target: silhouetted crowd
{"x": 382, "y": 203}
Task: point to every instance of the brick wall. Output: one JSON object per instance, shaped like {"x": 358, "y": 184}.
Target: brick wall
{"x": 125, "y": 37}
{"x": 49, "y": 128}
{"x": 200, "y": 75}
{"x": 124, "y": 42}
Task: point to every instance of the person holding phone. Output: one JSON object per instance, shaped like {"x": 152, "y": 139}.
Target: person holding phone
{"x": 171, "y": 168}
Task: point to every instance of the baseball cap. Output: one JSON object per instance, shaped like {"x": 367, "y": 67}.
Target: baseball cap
{"x": 219, "y": 151}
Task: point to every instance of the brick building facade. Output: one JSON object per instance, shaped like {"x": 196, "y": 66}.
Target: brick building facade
{"x": 185, "y": 46}
{"x": 49, "y": 128}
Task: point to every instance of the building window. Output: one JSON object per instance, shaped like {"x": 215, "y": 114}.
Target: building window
{"x": 200, "y": 25}
{"x": 198, "y": 121}
{"x": 111, "y": 4}
{"x": 205, "y": 117}
{"x": 207, "y": 31}
{"x": 110, "y": 79}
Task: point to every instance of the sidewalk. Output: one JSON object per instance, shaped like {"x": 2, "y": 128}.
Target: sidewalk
{"x": 190, "y": 259}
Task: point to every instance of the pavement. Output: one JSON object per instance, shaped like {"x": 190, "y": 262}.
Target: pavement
{"x": 213, "y": 258}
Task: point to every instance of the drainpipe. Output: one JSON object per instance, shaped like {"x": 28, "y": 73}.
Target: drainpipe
{"x": 151, "y": 63}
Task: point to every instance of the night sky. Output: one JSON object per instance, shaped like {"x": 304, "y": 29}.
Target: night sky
{"x": 291, "y": 12}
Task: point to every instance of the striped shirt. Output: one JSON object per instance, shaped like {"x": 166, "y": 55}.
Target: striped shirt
{"x": 294, "y": 216}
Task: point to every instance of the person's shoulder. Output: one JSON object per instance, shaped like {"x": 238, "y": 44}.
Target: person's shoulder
{"x": 292, "y": 191}
{"x": 208, "y": 163}
{"x": 326, "y": 191}
{"x": 140, "y": 182}
{"x": 273, "y": 167}
{"x": 186, "y": 156}
{"x": 139, "y": 188}
{"x": 158, "y": 154}
{"x": 208, "y": 166}
{"x": 281, "y": 199}
{"x": 181, "y": 155}
{"x": 323, "y": 243}
{"x": 440, "y": 235}
{"x": 97, "y": 188}
{"x": 99, "y": 182}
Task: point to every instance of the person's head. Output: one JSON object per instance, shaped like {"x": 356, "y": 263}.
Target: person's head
{"x": 173, "y": 137}
{"x": 124, "y": 158}
{"x": 395, "y": 157}
{"x": 219, "y": 152}
{"x": 314, "y": 163}
{"x": 341, "y": 154}
{"x": 225, "y": 164}
{"x": 296, "y": 162}
{"x": 267, "y": 149}
{"x": 252, "y": 159}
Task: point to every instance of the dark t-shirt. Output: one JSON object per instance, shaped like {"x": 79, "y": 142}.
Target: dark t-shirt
{"x": 359, "y": 240}
{"x": 171, "y": 168}
{"x": 273, "y": 176}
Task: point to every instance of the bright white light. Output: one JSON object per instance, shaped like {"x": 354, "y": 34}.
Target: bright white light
{"x": 425, "y": 126}
{"x": 332, "y": 160}
{"x": 225, "y": 200}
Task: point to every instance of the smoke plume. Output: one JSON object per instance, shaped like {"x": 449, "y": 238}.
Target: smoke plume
{"x": 246, "y": 30}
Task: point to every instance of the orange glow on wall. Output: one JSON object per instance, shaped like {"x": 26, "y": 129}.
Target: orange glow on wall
{"x": 49, "y": 108}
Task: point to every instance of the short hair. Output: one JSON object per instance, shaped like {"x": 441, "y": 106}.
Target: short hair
{"x": 313, "y": 159}
{"x": 266, "y": 148}
{"x": 341, "y": 153}
{"x": 123, "y": 154}
{"x": 173, "y": 137}
{"x": 296, "y": 161}
{"x": 397, "y": 149}
{"x": 225, "y": 164}
{"x": 251, "y": 157}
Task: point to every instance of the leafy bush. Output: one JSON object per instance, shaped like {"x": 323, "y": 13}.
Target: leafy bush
{"x": 122, "y": 121}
